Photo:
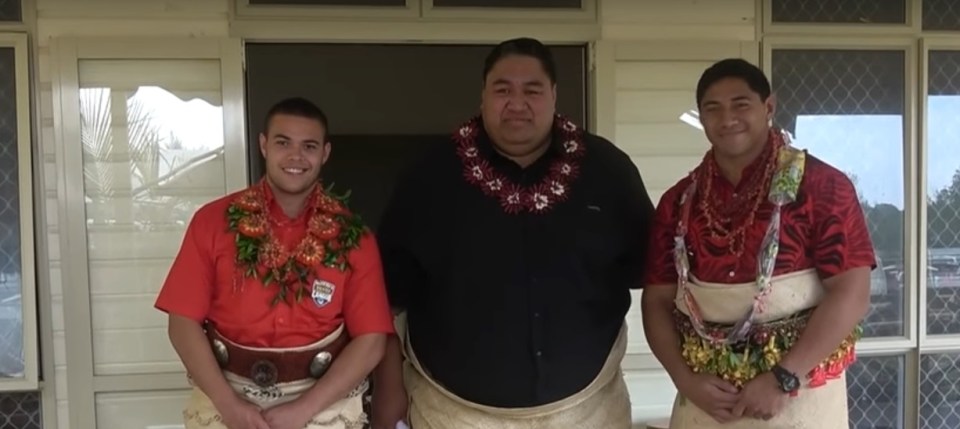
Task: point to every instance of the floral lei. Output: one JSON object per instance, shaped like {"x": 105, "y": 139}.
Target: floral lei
{"x": 514, "y": 198}
{"x": 332, "y": 232}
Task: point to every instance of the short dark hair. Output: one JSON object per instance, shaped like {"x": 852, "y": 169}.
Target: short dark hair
{"x": 523, "y": 46}
{"x": 736, "y": 68}
{"x": 297, "y": 106}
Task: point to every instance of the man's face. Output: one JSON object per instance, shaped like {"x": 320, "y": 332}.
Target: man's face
{"x": 518, "y": 104}
{"x": 295, "y": 149}
{"x": 734, "y": 118}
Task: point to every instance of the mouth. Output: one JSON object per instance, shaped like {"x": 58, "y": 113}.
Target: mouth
{"x": 294, "y": 171}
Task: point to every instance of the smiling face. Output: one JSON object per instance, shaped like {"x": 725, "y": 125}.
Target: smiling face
{"x": 518, "y": 104}
{"x": 735, "y": 119}
{"x": 294, "y": 149}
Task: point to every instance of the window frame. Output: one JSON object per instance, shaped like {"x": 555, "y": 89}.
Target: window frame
{"x": 28, "y": 258}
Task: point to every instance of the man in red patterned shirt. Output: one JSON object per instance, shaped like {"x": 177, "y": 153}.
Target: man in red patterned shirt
{"x": 758, "y": 273}
{"x": 276, "y": 300}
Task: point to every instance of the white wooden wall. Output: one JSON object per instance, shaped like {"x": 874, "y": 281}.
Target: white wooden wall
{"x": 649, "y": 57}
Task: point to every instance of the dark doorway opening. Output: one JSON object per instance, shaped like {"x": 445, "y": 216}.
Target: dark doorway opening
{"x": 386, "y": 103}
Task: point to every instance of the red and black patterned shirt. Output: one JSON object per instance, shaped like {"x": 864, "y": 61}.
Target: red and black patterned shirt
{"x": 823, "y": 229}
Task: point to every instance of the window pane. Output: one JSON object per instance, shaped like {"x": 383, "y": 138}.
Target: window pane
{"x": 20, "y": 410}
{"x": 12, "y": 364}
{"x": 943, "y": 194}
{"x": 152, "y": 137}
{"x": 10, "y": 11}
{"x": 939, "y": 391}
{"x": 941, "y": 15}
{"x": 846, "y": 107}
{"x": 330, "y": 2}
{"x": 541, "y": 4}
{"x": 875, "y": 393}
{"x": 840, "y": 11}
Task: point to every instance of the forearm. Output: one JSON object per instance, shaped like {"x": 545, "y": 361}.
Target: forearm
{"x": 191, "y": 344}
{"x": 355, "y": 362}
{"x": 389, "y": 371}
{"x": 830, "y": 323}
{"x": 661, "y": 332}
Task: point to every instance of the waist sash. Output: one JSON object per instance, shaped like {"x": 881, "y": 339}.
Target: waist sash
{"x": 347, "y": 413}
{"x": 603, "y": 404}
{"x": 787, "y": 307}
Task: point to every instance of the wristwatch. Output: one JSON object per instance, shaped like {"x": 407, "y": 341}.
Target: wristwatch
{"x": 788, "y": 381}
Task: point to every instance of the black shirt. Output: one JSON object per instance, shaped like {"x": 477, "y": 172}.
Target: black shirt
{"x": 515, "y": 310}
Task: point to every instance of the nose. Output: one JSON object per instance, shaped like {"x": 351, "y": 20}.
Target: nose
{"x": 728, "y": 118}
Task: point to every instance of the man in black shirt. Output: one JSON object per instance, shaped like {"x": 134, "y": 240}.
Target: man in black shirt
{"x": 511, "y": 253}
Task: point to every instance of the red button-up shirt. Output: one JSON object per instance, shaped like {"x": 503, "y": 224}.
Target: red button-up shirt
{"x": 203, "y": 285}
{"x": 823, "y": 229}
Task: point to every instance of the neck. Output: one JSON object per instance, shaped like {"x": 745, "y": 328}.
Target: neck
{"x": 526, "y": 159}
{"x": 291, "y": 204}
{"x": 731, "y": 167}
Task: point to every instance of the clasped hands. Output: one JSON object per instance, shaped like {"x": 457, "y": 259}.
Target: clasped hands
{"x": 242, "y": 414}
{"x": 761, "y": 398}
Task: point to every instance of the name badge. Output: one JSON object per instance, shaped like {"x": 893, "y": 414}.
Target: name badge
{"x": 322, "y": 292}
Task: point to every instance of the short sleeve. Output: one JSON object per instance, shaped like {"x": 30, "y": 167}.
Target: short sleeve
{"x": 660, "y": 267}
{"x": 365, "y": 307}
{"x": 841, "y": 238}
{"x": 188, "y": 288}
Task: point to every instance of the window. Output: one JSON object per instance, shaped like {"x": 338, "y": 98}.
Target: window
{"x": 939, "y": 391}
{"x": 839, "y": 12}
{"x": 846, "y": 107}
{"x": 20, "y": 410}
{"x": 19, "y": 359}
{"x": 943, "y": 193}
{"x": 10, "y": 11}
{"x": 941, "y": 15}
{"x": 148, "y": 134}
{"x": 875, "y": 392}
{"x": 540, "y": 4}
{"x": 329, "y": 2}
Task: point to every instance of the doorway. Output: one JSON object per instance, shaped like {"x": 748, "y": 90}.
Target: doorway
{"x": 386, "y": 103}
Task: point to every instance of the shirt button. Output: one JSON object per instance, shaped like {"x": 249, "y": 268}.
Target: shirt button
{"x": 536, "y": 315}
{"x": 281, "y": 320}
{"x": 539, "y": 353}
{"x": 731, "y": 274}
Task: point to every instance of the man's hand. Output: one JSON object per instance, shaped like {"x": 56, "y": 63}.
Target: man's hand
{"x": 240, "y": 414}
{"x": 291, "y": 415}
{"x": 761, "y": 398}
{"x": 712, "y": 395}
{"x": 389, "y": 406}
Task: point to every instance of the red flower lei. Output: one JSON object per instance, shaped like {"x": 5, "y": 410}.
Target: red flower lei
{"x": 538, "y": 198}
{"x": 332, "y": 231}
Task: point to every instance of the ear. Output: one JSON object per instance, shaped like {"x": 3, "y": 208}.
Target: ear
{"x": 771, "y": 105}
{"x": 327, "y": 147}
{"x": 263, "y": 145}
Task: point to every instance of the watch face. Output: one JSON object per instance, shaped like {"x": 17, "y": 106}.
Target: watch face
{"x": 790, "y": 384}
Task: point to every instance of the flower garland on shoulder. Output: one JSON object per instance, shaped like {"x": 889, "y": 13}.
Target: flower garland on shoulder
{"x": 332, "y": 232}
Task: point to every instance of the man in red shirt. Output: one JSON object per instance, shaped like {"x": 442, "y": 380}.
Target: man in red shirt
{"x": 276, "y": 299}
{"x": 758, "y": 273}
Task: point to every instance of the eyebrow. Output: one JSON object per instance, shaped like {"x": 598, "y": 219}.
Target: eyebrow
{"x": 283, "y": 136}
{"x": 737, "y": 98}
{"x": 507, "y": 82}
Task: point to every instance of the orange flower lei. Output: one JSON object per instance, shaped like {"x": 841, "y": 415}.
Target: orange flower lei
{"x": 332, "y": 231}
